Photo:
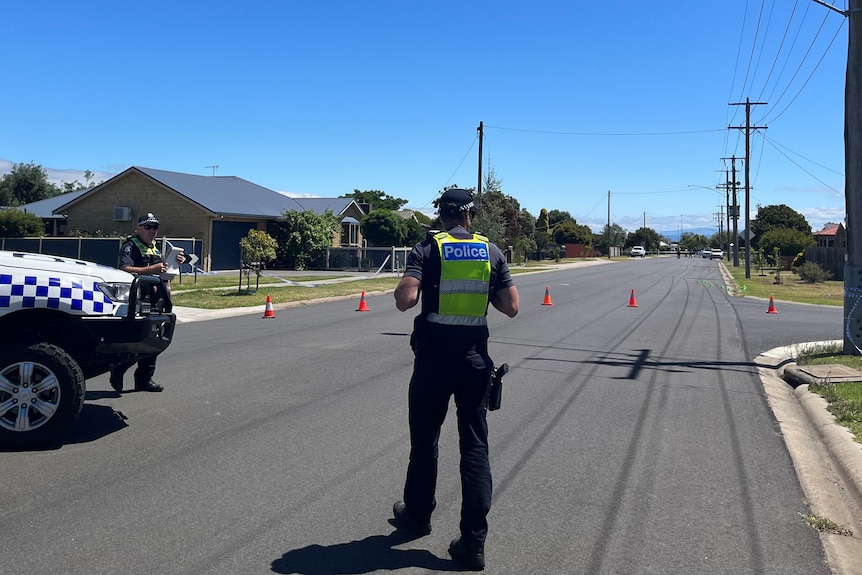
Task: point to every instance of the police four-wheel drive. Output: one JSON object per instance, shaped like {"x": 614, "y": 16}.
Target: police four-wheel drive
{"x": 63, "y": 321}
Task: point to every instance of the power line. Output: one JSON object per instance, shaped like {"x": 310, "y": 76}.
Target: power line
{"x": 801, "y": 168}
{"x": 604, "y": 133}
{"x": 801, "y": 88}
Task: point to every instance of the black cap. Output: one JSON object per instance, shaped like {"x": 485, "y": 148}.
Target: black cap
{"x": 461, "y": 198}
{"x": 148, "y": 218}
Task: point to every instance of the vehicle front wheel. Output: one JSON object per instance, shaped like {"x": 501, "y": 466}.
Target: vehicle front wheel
{"x": 41, "y": 393}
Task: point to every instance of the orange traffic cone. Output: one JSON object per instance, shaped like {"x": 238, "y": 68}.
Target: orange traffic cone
{"x": 771, "y": 308}
{"x": 632, "y": 301}
{"x": 362, "y": 305}
{"x": 268, "y": 311}
{"x": 547, "y": 300}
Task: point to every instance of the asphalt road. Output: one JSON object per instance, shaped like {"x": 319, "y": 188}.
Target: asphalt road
{"x": 631, "y": 440}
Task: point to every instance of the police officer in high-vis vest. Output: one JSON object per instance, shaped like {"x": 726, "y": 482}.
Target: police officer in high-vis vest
{"x": 141, "y": 256}
{"x": 456, "y": 274}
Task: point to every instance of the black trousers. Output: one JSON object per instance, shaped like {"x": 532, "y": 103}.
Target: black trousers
{"x": 143, "y": 374}
{"x": 462, "y": 370}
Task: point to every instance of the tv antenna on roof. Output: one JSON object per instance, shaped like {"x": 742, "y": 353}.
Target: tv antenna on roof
{"x": 214, "y": 168}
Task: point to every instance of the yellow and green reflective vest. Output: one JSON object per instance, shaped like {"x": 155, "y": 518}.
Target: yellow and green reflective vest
{"x": 150, "y": 253}
{"x": 465, "y": 273}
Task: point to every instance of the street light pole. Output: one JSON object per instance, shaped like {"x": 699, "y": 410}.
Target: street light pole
{"x": 853, "y": 182}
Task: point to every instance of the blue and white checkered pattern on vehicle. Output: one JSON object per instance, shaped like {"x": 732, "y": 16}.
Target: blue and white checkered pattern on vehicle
{"x": 28, "y": 291}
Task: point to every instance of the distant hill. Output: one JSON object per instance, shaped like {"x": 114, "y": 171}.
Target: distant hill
{"x": 673, "y": 235}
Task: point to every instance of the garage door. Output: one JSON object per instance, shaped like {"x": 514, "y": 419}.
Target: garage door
{"x": 226, "y": 237}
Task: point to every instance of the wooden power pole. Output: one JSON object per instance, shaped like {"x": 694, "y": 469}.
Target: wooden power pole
{"x": 748, "y": 128}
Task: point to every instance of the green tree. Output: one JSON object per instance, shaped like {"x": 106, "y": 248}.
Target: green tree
{"x": 559, "y": 216}
{"x": 256, "y": 250}
{"x": 646, "y": 237}
{"x": 421, "y": 218}
{"x": 378, "y": 200}
{"x": 416, "y": 232}
{"x": 777, "y": 216}
{"x": 258, "y": 246}
{"x": 526, "y": 223}
{"x": 789, "y": 242}
{"x": 691, "y": 242}
{"x": 75, "y": 185}
{"x": 612, "y": 235}
{"x": 18, "y": 224}
{"x": 523, "y": 242}
{"x": 304, "y": 237}
{"x": 542, "y": 234}
{"x": 26, "y": 183}
{"x": 490, "y": 220}
{"x": 570, "y": 232}
{"x": 384, "y": 228}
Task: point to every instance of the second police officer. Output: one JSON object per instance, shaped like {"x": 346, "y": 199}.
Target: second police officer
{"x": 456, "y": 274}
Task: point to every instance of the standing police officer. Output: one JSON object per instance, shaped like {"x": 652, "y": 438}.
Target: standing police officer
{"x": 456, "y": 274}
{"x": 141, "y": 256}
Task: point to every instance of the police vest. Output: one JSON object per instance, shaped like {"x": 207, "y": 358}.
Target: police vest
{"x": 151, "y": 254}
{"x": 465, "y": 274}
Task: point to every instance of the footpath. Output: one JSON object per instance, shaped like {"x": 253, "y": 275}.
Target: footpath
{"x": 827, "y": 460}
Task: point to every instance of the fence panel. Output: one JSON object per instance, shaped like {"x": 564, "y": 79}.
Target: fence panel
{"x": 367, "y": 259}
{"x": 103, "y": 251}
{"x": 830, "y": 259}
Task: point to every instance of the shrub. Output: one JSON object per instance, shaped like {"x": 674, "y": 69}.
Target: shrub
{"x": 18, "y": 224}
{"x": 812, "y": 273}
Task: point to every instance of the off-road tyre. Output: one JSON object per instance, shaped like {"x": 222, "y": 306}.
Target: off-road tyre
{"x": 50, "y": 409}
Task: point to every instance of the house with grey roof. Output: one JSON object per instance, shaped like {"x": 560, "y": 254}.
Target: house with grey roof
{"x": 44, "y": 209}
{"x": 216, "y": 210}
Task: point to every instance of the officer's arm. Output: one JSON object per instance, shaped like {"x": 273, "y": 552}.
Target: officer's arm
{"x": 407, "y": 293}
{"x": 506, "y": 300}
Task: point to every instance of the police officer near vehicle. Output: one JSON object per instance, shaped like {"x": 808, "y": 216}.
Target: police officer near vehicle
{"x": 456, "y": 274}
{"x": 141, "y": 256}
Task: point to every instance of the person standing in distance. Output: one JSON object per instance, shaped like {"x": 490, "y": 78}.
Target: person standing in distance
{"x": 141, "y": 256}
{"x": 456, "y": 274}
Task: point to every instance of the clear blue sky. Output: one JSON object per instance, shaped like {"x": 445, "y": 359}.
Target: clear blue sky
{"x": 320, "y": 98}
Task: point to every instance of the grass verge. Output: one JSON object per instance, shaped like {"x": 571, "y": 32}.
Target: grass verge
{"x": 213, "y": 295}
{"x": 190, "y": 283}
{"x": 791, "y": 287}
{"x": 844, "y": 398}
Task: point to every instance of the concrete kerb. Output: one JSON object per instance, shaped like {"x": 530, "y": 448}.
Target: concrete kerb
{"x": 828, "y": 462}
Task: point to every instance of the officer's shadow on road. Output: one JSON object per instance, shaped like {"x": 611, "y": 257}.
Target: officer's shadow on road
{"x": 373, "y": 553}
{"x": 95, "y": 422}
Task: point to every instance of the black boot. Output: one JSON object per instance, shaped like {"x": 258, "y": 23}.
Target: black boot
{"x": 471, "y": 556}
{"x": 149, "y": 386}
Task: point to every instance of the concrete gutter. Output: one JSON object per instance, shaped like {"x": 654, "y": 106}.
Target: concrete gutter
{"x": 827, "y": 460}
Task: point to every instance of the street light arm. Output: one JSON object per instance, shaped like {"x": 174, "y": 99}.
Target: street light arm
{"x": 833, "y": 8}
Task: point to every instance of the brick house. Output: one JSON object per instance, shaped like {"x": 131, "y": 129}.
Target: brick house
{"x": 217, "y": 210}
{"x": 832, "y": 236}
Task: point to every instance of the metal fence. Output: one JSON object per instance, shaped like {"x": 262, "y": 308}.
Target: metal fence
{"x": 104, "y": 251}
{"x": 367, "y": 259}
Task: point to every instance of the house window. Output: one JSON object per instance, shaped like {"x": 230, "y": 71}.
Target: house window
{"x": 349, "y": 232}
